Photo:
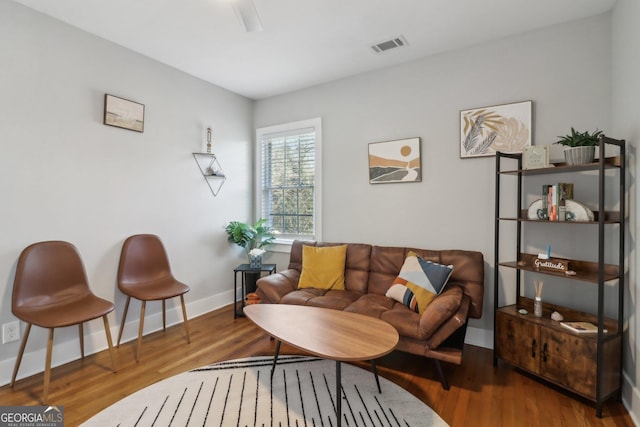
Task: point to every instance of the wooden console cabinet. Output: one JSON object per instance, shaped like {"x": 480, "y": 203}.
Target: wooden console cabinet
{"x": 542, "y": 347}
{"x": 589, "y": 365}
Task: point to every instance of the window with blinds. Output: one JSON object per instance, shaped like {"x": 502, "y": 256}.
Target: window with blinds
{"x": 288, "y": 191}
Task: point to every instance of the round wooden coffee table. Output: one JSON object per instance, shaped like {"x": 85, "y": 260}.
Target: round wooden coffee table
{"x": 330, "y": 334}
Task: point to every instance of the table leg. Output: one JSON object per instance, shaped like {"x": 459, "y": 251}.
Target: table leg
{"x": 235, "y": 295}
{"x": 338, "y": 395}
{"x": 375, "y": 374}
{"x": 242, "y": 294}
{"x": 275, "y": 358}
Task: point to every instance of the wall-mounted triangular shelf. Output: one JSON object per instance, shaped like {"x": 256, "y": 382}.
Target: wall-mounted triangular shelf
{"x": 211, "y": 171}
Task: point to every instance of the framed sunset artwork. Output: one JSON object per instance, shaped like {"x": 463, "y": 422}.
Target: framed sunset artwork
{"x": 395, "y": 161}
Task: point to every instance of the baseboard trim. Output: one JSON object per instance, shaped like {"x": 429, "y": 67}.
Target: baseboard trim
{"x": 479, "y": 337}
{"x": 631, "y": 398}
{"x": 95, "y": 341}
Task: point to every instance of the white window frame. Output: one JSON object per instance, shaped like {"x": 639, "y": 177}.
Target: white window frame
{"x": 281, "y": 244}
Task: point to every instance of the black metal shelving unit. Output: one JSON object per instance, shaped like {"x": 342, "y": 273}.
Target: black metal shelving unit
{"x": 595, "y": 272}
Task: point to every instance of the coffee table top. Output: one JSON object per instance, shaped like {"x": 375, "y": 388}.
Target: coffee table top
{"x": 330, "y": 334}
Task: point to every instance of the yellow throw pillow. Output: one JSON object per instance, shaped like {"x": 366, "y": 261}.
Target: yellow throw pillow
{"x": 323, "y": 267}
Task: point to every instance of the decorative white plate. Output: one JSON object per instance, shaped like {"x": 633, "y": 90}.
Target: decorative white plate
{"x": 576, "y": 211}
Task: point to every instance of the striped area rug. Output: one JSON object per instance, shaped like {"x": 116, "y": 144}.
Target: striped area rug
{"x": 241, "y": 393}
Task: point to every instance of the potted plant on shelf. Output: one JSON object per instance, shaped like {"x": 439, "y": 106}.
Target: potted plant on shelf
{"x": 580, "y": 147}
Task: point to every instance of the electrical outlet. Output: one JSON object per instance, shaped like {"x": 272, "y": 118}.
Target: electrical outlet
{"x": 10, "y": 332}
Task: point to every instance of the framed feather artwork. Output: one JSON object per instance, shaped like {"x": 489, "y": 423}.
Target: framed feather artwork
{"x": 505, "y": 128}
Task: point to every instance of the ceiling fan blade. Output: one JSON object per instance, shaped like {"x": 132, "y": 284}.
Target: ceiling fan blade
{"x": 248, "y": 15}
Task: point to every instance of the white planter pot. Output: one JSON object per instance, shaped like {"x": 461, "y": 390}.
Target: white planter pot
{"x": 579, "y": 155}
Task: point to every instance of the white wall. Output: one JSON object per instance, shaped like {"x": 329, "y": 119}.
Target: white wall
{"x": 625, "y": 119}
{"x": 564, "y": 69}
{"x": 65, "y": 175}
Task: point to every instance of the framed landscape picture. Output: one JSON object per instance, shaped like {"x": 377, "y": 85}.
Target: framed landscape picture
{"x": 505, "y": 128}
{"x": 395, "y": 161}
{"x": 122, "y": 113}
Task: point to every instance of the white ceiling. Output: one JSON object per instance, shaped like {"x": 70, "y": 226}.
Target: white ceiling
{"x": 304, "y": 42}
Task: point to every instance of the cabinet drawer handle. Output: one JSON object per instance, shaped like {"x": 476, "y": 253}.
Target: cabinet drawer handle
{"x": 533, "y": 348}
{"x": 544, "y": 352}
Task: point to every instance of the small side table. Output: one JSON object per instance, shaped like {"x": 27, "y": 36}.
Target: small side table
{"x": 245, "y": 268}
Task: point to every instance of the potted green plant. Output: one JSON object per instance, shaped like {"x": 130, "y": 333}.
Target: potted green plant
{"x": 251, "y": 237}
{"x": 580, "y": 147}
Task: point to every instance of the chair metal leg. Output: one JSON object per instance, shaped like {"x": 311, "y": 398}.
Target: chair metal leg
{"x": 124, "y": 317}
{"x": 140, "y": 329}
{"x": 184, "y": 317}
{"x": 47, "y": 367}
{"x": 81, "y": 334}
{"x": 107, "y": 331}
{"x": 164, "y": 314}
{"x": 20, "y": 353}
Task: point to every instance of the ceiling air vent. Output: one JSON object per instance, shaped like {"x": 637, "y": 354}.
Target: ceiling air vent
{"x": 389, "y": 44}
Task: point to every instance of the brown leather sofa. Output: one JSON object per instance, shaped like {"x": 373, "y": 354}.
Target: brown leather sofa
{"x": 370, "y": 270}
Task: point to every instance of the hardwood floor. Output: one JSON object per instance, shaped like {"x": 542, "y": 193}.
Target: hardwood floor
{"x": 480, "y": 395}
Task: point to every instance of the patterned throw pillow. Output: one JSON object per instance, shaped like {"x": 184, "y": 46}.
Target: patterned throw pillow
{"x": 323, "y": 267}
{"x": 419, "y": 282}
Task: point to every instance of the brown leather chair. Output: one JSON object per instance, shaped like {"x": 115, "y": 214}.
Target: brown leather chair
{"x": 145, "y": 274}
{"x": 50, "y": 290}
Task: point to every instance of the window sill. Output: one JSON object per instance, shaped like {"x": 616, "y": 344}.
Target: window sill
{"x": 282, "y": 246}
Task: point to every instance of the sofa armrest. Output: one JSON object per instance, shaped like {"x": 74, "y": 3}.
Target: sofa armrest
{"x": 273, "y": 287}
{"x": 440, "y": 310}
{"x": 451, "y": 326}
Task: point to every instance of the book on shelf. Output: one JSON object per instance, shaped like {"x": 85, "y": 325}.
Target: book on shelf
{"x": 566, "y": 190}
{"x": 581, "y": 327}
{"x": 545, "y": 202}
{"x": 552, "y": 202}
{"x": 554, "y": 199}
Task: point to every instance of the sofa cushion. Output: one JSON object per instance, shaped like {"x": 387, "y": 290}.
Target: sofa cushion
{"x": 302, "y": 296}
{"x": 323, "y": 267}
{"x": 385, "y": 265}
{"x": 324, "y": 298}
{"x": 371, "y": 304}
{"x": 419, "y": 282}
{"x": 356, "y": 271}
{"x": 405, "y": 321}
{"x": 278, "y": 285}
